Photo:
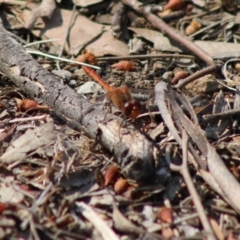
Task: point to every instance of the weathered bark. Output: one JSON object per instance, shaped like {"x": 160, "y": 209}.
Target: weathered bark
{"x": 131, "y": 148}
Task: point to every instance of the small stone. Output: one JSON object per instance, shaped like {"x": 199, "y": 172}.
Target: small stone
{"x": 89, "y": 87}
{"x": 167, "y": 75}
{"x": 80, "y": 72}
{"x": 157, "y": 66}
{"x": 73, "y": 83}
{"x": 63, "y": 74}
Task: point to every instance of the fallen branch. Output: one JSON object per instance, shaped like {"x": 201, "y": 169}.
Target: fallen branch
{"x": 133, "y": 151}
{"x": 177, "y": 37}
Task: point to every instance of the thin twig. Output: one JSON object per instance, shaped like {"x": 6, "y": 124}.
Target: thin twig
{"x": 66, "y": 34}
{"x": 42, "y": 117}
{"x": 200, "y": 15}
{"x": 106, "y": 232}
{"x": 39, "y": 42}
{"x": 183, "y": 169}
{"x": 222, "y": 115}
{"x": 161, "y": 25}
{"x": 160, "y": 55}
{"x": 61, "y": 59}
{"x": 211, "y": 26}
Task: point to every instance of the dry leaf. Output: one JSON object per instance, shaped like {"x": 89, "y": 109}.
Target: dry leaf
{"x": 45, "y": 9}
{"x": 124, "y": 66}
{"x": 160, "y": 42}
{"x": 122, "y": 224}
{"x": 30, "y": 141}
{"x": 57, "y": 26}
{"x": 108, "y": 45}
{"x": 215, "y": 49}
{"x": 9, "y": 194}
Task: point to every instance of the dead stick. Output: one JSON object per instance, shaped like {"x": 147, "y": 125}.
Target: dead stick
{"x": 183, "y": 169}
{"x": 161, "y": 25}
{"x": 144, "y": 56}
{"x": 222, "y": 115}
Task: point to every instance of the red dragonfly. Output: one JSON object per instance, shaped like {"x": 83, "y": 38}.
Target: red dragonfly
{"x": 121, "y": 97}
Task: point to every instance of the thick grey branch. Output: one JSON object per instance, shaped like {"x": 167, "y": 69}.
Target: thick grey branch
{"x": 132, "y": 150}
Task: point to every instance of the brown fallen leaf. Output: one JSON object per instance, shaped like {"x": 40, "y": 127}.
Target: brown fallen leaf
{"x": 45, "y": 9}
{"x": 124, "y": 66}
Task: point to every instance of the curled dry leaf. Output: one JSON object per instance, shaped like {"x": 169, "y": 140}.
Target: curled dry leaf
{"x": 121, "y": 186}
{"x": 124, "y": 66}
{"x": 165, "y": 214}
{"x": 87, "y": 57}
{"x": 193, "y": 27}
{"x": 111, "y": 175}
{"x": 174, "y": 5}
{"x": 26, "y": 104}
{"x": 179, "y": 74}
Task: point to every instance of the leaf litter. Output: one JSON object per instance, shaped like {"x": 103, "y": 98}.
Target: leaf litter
{"x": 59, "y": 184}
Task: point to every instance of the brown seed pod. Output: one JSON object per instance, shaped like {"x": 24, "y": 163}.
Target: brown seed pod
{"x": 26, "y": 104}
{"x": 124, "y": 66}
{"x": 111, "y": 175}
{"x": 174, "y": 5}
{"x": 237, "y": 66}
{"x": 165, "y": 214}
{"x": 121, "y": 186}
{"x": 178, "y": 75}
{"x": 193, "y": 27}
